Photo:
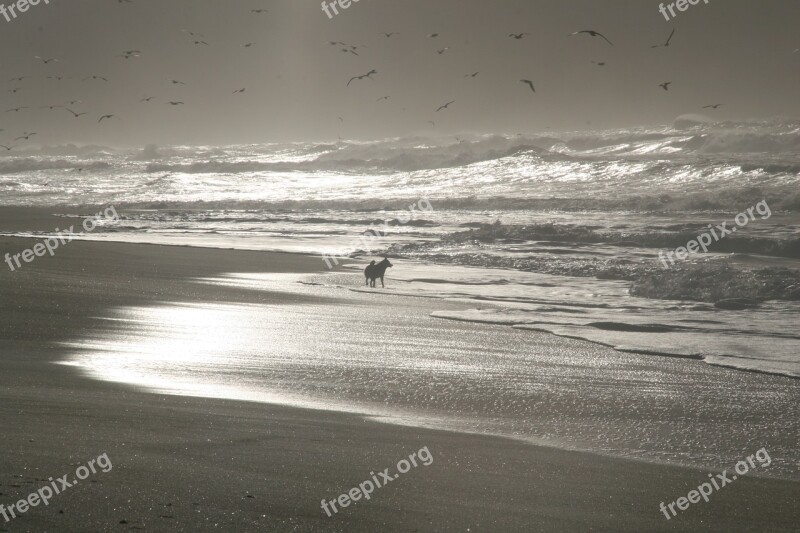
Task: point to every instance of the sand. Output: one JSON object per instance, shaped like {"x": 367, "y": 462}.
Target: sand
{"x": 194, "y": 464}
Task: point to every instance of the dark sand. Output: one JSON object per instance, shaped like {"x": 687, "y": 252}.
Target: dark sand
{"x": 192, "y": 464}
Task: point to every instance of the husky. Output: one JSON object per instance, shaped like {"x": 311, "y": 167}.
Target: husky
{"x": 375, "y": 271}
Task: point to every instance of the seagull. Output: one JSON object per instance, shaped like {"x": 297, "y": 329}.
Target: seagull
{"x": 106, "y": 116}
{"x": 517, "y": 35}
{"x": 76, "y": 115}
{"x": 382, "y": 98}
{"x": 529, "y": 83}
{"x": 388, "y": 35}
{"x": 17, "y": 109}
{"x": 443, "y": 50}
{"x": 20, "y": 78}
{"x": 259, "y": 11}
{"x": 367, "y": 75}
{"x": 665, "y": 85}
{"x": 7, "y": 147}
{"x": 471, "y": 75}
{"x": 593, "y": 34}
{"x": 432, "y": 122}
{"x": 50, "y": 107}
{"x": 127, "y": 54}
{"x": 147, "y": 98}
{"x": 238, "y": 91}
{"x": 45, "y": 60}
{"x": 59, "y": 78}
{"x": 25, "y": 136}
{"x": 433, "y": 35}
{"x": 175, "y": 103}
{"x": 73, "y": 102}
{"x": 445, "y": 105}
{"x": 666, "y": 44}
{"x": 176, "y": 82}
{"x": 600, "y": 63}
{"x": 247, "y": 45}
{"x": 201, "y": 42}
{"x": 15, "y": 90}
{"x": 95, "y": 78}
{"x": 712, "y": 106}
{"x": 340, "y": 119}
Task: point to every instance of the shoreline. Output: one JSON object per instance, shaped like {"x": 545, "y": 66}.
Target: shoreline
{"x": 172, "y": 452}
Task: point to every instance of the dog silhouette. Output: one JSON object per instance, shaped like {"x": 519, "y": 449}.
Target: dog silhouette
{"x": 375, "y": 271}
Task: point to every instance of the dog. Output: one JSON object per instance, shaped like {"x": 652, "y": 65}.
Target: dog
{"x": 375, "y": 271}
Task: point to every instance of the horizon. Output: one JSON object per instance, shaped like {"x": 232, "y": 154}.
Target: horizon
{"x": 738, "y": 54}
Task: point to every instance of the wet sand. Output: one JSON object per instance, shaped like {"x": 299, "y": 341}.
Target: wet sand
{"x": 195, "y": 464}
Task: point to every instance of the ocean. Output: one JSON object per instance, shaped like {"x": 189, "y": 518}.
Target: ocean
{"x": 558, "y": 233}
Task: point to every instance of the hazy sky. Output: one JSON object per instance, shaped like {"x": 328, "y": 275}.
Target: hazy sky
{"x": 736, "y": 52}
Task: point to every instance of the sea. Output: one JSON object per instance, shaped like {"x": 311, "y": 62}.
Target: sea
{"x": 562, "y": 233}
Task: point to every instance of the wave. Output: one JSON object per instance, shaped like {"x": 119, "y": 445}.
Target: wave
{"x": 28, "y": 164}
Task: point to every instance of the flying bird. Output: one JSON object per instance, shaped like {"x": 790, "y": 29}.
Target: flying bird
{"x": 50, "y": 107}
{"x": 382, "y": 98}
{"x": 74, "y": 114}
{"x": 147, "y": 98}
{"x": 95, "y": 78}
{"x": 529, "y": 83}
{"x": 432, "y": 123}
{"x": 388, "y": 35}
{"x": 712, "y": 106}
{"x": 433, "y": 35}
{"x": 367, "y": 75}
{"x": 247, "y": 45}
{"x": 25, "y": 136}
{"x": 593, "y": 34}
{"x": 600, "y": 63}
{"x": 238, "y": 91}
{"x": 106, "y": 116}
{"x": 6, "y": 147}
{"x": 45, "y": 60}
{"x": 20, "y": 78}
{"x": 176, "y": 82}
{"x": 517, "y": 35}
{"x": 666, "y": 44}
{"x": 445, "y": 106}
{"x": 443, "y": 50}
{"x": 259, "y": 11}
{"x": 17, "y": 109}
{"x": 665, "y": 85}
{"x": 471, "y": 75}
{"x": 175, "y": 103}
{"x": 127, "y": 54}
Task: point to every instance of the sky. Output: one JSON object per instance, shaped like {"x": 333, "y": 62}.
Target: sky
{"x": 736, "y": 52}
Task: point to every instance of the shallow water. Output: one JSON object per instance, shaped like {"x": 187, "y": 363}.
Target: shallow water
{"x": 397, "y": 363}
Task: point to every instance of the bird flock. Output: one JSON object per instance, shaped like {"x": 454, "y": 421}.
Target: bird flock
{"x": 72, "y": 108}
{"x": 68, "y": 107}
{"x": 353, "y": 49}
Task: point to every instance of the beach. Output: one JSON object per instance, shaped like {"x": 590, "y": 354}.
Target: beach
{"x": 194, "y": 463}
